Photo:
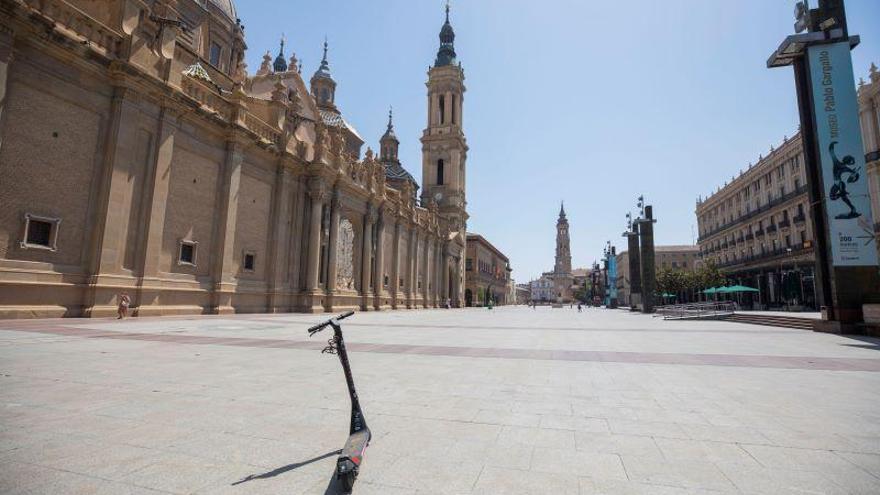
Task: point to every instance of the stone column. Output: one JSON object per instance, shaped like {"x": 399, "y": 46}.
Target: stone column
{"x": 444, "y": 276}
{"x": 635, "y": 268}
{"x": 6, "y": 57}
{"x": 318, "y": 194}
{"x": 276, "y": 262}
{"x": 393, "y": 285}
{"x": 223, "y": 271}
{"x": 380, "y": 259}
{"x": 425, "y": 272}
{"x": 330, "y": 286}
{"x": 107, "y": 228}
{"x": 646, "y": 229}
{"x": 155, "y": 202}
{"x": 410, "y": 259}
{"x": 367, "y": 255}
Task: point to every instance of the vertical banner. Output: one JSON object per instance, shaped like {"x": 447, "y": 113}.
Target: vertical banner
{"x": 842, "y": 156}
{"x": 612, "y": 277}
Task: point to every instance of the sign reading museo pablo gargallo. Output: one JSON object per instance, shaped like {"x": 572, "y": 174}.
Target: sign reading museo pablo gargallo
{"x": 841, "y": 156}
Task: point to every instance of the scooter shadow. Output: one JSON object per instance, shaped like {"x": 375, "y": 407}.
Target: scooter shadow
{"x": 284, "y": 469}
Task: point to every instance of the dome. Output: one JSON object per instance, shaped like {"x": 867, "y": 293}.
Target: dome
{"x": 227, "y": 7}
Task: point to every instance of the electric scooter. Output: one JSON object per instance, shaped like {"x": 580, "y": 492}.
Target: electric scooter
{"x": 349, "y": 461}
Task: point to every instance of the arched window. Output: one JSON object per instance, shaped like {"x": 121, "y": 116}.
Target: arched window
{"x": 439, "y": 172}
{"x": 453, "y": 109}
{"x": 442, "y": 109}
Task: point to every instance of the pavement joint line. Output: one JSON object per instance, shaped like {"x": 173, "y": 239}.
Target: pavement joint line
{"x": 731, "y": 360}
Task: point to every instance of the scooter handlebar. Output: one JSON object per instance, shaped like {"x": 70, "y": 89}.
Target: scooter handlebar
{"x": 320, "y": 326}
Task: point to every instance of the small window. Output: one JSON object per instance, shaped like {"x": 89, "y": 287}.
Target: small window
{"x": 40, "y": 232}
{"x": 440, "y": 172}
{"x": 442, "y": 109}
{"x": 187, "y": 254}
{"x": 385, "y": 281}
{"x": 249, "y": 261}
{"x": 216, "y": 52}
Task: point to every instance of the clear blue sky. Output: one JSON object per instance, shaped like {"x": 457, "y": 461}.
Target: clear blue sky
{"x": 590, "y": 102}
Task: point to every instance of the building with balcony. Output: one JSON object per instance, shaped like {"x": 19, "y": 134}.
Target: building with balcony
{"x": 869, "y": 114}
{"x": 757, "y": 229}
{"x": 487, "y": 273}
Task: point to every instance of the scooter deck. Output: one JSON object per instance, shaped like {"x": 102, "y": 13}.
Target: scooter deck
{"x": 355, "y": 446}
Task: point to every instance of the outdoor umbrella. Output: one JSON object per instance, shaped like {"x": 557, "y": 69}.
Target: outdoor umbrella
{"x": 738, "y": 288}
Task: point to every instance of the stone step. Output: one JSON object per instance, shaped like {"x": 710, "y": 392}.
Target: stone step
{"x": 773, "y": 321}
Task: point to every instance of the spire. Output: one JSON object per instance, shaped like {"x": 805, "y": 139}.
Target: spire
{"x": 325, "y": 66}
{"x": 389, "y": 142}
{"x": 562, "y": 210}
{"x": 446, "y": 54}
{"x": 280, "y": 65}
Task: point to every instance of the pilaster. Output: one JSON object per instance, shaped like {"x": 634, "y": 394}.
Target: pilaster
{"x": 224, "y": 268}
{"x": 318, "y": 193}
{"x": 277, "y": 267}
{"x": 370, "y": 218}
{"x": 379, "y": 269}
{"x": 332, "y": 261}
{"x": 156, "y": 199}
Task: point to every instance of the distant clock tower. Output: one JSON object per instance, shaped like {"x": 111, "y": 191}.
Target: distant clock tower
{"x": 444, "y": 147}
{"x": 444, "y": 157}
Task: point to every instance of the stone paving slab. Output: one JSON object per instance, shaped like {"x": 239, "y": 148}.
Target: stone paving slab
{"x": 464, "y": 401}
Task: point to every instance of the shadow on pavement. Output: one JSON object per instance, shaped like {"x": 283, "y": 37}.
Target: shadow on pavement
{"x": 869, "y": 342}
{"x": 289, "y": 467}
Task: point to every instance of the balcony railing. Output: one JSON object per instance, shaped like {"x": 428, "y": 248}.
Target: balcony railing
{"x": 770, "y": 255}
{"x": 784, "y": 224}
{"x": 800, "y": 219}
{"x": 756, "y": 212}
{"x": 750, "y": 237}
{"x": 771, "y": 229}
{"x": 759, "y": 233}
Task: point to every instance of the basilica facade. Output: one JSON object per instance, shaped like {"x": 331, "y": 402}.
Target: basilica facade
{"x": 139, "y": 157}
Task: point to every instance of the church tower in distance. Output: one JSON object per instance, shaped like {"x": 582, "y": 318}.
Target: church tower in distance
{"x": 563, "y": 245}
{"x": 444, "y": 148}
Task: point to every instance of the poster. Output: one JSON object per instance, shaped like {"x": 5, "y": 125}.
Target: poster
{"x": 842, "y": 156}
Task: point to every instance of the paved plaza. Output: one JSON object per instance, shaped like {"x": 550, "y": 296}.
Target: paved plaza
{"x": 510, "y": 401}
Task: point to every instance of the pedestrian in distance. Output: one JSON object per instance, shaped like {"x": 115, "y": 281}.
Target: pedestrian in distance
{"x": 579, "y": 307}
{"x": 124, "y": 303}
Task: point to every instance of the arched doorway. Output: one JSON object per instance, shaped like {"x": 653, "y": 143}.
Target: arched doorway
{"x": 468, "y": 298}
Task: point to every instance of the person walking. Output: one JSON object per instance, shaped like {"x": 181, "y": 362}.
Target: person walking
{"x": 124, "y": 303}
{"x": 579, "y": 307}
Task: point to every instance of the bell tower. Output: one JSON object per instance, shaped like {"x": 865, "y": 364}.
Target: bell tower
{"x": 444, "y": 147}
{"x": 563, "y": 245}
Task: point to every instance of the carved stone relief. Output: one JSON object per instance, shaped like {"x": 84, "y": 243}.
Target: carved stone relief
{"x": 345, "y": 255}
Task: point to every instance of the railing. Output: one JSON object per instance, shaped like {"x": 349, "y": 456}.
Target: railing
{"x": 756, "y": 212}
{"x": 696, "y": 310}
{"x": 771, "y": 229}
{"x": 261, "y": 129}
{"x": 784, "y": 224}
{"x": 769, "y": 255}
{"x": 80, "y": 23}
{"x": 800, "y": 219}
{"x": 206, "y": 96}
